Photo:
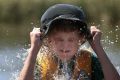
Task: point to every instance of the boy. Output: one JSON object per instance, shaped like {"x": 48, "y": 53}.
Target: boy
{"x": 63, "y": 31}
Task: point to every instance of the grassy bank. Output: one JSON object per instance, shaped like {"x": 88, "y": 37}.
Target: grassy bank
{"x": 20, "y": 11}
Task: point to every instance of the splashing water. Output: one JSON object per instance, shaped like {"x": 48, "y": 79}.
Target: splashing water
{"x": 13, "y": 63}
{"x": 65, "y": 75}
{"x": 62, "y": 77}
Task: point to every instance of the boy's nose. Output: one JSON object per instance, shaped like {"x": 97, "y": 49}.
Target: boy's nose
{"x": 65, "y": 45}
{"x": 64, "y": 51}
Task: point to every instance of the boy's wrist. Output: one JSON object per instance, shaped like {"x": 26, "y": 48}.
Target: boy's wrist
{"x": 99, "y": 49}
{"x": 34, "y": 50}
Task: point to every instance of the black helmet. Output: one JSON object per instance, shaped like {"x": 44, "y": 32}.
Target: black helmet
{"x": 62, "y": 11}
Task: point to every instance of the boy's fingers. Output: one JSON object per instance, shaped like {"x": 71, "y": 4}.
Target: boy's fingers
{"x": 93, "y": 27}
{"x": 36, "y": 30}
{"x": 94, "y": 30}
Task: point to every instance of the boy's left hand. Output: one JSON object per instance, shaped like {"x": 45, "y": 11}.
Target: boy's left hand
{"x": 96, "y": 34}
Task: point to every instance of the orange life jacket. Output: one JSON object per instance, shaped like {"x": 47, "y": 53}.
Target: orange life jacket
{"x": 48, "y": 65}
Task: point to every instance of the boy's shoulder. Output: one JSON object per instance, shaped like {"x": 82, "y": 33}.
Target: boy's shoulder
{"x": 97, "y": 72}
{"x": 84, "y": 53}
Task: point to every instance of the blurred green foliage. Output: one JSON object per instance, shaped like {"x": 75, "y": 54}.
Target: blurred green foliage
{"x": 20, "y": 11}
{"x": 18, "y": 17}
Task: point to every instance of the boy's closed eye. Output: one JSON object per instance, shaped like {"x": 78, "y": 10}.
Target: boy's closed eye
{"x": 59, "y": 39}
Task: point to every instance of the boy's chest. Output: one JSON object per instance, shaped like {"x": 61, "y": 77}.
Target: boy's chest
{"x": 81, "y": 69}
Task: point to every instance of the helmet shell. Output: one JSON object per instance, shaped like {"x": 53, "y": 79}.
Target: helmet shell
{"x": 63, "y": 11}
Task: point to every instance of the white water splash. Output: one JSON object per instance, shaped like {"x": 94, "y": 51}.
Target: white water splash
{"x": 62, "y": 77}
{"x": 8, "y": 63}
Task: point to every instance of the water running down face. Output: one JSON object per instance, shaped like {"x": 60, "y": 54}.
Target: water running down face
{"x": 65, "y": 44}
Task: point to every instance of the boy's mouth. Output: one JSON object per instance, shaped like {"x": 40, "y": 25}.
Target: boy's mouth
{"x": 64, "y": 56}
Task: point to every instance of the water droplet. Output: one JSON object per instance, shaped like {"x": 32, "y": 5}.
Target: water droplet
{"x": 4, "y": 70}
{"x": 31, "y": 23}
{"x": 117, "y": 26}
{"x": 116, "y": 41}
{"x": 80, "y": 29}
{"x": 107, "y": 37}
{"x": 102, "y": 20}
{"x": 116, "y": 35}
{"x": 110, "y": 31}
{"x": 12, "y": 61}
{"x": 112, "y": 42}
{"x": 116, "y": 29}
{"x": 18, "y": 55}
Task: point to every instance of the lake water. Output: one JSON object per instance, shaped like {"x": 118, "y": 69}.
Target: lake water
{"x": 14, "y": 42}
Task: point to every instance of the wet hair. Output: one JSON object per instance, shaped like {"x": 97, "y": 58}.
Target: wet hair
{"x": 66, "y": 26}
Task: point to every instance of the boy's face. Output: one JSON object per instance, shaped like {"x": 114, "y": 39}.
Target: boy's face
{"x": 65, "y": 44}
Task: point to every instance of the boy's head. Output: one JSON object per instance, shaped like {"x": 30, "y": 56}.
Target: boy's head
{"x": 64, "y": 38}
{"x": 63, "y": 12}
{"x": 65, "y": 27}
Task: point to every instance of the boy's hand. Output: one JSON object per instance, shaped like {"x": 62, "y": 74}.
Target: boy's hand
{"x": 35, "y": 38}
{"x": 96, "y": 34}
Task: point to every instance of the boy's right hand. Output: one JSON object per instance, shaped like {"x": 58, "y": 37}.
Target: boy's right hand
{"x": 35, "y": 39}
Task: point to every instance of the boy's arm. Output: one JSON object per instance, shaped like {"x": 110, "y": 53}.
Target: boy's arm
{"x": 110, "y": 73}
{"x": 27, "y": 72}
